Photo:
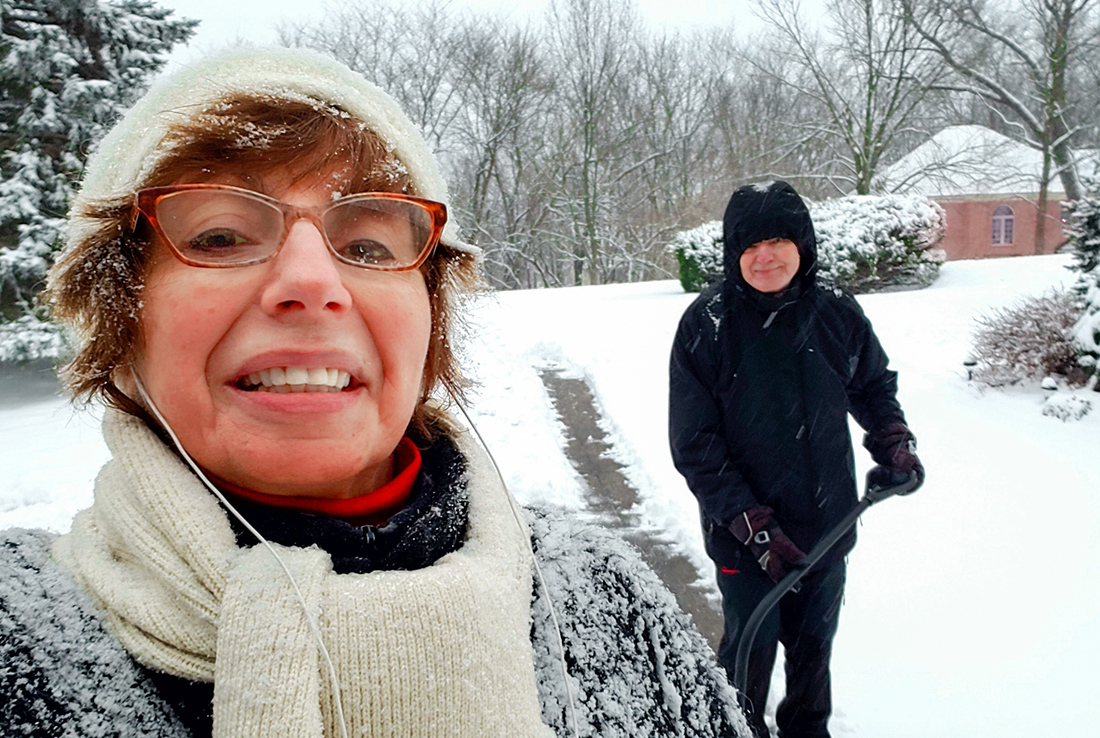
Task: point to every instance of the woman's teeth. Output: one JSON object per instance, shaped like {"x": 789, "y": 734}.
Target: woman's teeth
{"x": 297, "y": 379}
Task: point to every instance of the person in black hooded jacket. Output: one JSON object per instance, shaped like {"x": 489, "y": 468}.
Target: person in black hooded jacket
{"x": 765, "y": 368}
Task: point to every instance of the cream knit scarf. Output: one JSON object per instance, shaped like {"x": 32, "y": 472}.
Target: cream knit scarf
{"x": 442, "y": 651}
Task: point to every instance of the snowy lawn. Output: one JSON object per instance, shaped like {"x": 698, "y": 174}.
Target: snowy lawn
{"x": 973, "y": 607}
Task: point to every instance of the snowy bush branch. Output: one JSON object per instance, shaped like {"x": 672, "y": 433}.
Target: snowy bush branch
{"x": 699, "y": 254}
{"x": 1027, "y": 341}
{"x": 870, "y": 243}
{"x": 28, "y": 339}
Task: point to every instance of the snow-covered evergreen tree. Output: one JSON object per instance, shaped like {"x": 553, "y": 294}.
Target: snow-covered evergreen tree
{"x": 68, "y": 69}
{"x": 1083, "y": 228}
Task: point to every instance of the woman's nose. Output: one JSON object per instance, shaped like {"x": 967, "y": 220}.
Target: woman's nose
{"x": 305, "y": 275}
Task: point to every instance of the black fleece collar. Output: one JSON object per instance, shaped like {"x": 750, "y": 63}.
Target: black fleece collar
{"x": 432, "y": 525}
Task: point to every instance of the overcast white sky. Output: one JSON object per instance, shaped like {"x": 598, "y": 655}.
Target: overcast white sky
{"x": 224, "y": 21}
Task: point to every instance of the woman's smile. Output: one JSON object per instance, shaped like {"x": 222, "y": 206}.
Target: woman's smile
{"x": 300, "y": 371}
{"x": 298, "y": 383}
{"x": 295, "y": 379}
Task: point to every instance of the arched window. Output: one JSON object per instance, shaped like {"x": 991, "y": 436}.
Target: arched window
{"x": 1003, "y": 222}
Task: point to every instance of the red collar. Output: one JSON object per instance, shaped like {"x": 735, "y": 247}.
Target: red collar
{"x": 374, "y": 507}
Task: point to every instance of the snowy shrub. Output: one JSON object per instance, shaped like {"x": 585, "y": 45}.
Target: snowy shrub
{"x": 1083, "y": 229}
{"x": 1066, "y": 407}
{"x": 699, "y": 254}
{"x": 865, "y": 243}
{"x": 28, "y": 339}
{"x": 870, "y": 243}
{"x": 1028, "y": 340}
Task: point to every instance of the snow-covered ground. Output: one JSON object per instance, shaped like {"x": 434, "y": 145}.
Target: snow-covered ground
{"x": 973, "y": 606}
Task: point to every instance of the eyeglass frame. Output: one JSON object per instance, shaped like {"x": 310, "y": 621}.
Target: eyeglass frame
{"x": 145, "y": 203}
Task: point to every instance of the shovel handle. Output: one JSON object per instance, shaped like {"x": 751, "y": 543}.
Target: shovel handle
{"x": 900, "y": 484}
{"x": 874, "y": 493}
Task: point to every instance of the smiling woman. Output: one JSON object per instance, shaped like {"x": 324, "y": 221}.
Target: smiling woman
{"x": 264, "y": 278}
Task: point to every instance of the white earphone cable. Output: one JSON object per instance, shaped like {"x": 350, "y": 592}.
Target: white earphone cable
{"x": 294, "y": 584}
{"x": 248, "y": 526}
{"x": 538, "y": 569}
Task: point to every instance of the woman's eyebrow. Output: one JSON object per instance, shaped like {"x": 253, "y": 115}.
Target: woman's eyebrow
{"x": 236, "y": 179}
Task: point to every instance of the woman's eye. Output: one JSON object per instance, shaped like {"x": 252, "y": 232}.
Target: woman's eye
{"x": 217, "y": 239}
{"x": 367, "y": 252}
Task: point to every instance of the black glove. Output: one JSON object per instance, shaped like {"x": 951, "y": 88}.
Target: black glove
{"x": 757, "y": 529}
{"x": 885, "y": 477}
{"x": 894, "y": 446}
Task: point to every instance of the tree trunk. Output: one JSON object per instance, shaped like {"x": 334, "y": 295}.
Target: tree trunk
{"x": 1041, "y": 216}
{"x": 1063, "y": 156}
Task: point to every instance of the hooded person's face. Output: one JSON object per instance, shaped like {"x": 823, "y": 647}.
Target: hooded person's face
{"x": 769, "y": 266}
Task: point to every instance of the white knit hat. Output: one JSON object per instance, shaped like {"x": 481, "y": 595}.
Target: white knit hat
{"x": 129, "y": 154}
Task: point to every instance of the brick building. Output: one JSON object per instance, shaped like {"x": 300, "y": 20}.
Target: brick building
{"x": 988, "y": 185}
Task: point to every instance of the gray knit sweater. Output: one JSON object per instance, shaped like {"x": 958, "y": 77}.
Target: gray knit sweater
{"x": 637, "y": 665}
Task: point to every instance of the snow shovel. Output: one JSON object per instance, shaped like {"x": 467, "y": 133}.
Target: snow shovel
{"x": 874, "y": 494}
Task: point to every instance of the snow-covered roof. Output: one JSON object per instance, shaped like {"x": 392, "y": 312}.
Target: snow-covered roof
{"x": 971, "y": 160}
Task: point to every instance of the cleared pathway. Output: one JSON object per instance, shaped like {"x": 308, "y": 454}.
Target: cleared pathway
{"x": 612, "y": 498}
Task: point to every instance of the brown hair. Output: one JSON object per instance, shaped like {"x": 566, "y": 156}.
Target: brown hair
{"x": 96, "y": 286}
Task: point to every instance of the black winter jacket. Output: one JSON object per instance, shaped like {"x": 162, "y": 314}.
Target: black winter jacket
{"x": 761, "y": 386}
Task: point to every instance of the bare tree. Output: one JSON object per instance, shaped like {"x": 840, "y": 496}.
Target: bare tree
{"x": 402, "y": 50}
{"x": 761, "y": 127}
{"x": 575, "y": 147}
{"x": 498, "y": 137}
{"x": 594, "y": 51}
{"x": 1020, "y": 62}
{"x": 1085, "y": 114}
{"x": 678, "y": 93}
{"x": 868, "y": 76}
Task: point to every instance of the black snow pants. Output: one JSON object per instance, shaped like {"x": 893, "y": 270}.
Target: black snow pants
{"x": 805, "y": 623}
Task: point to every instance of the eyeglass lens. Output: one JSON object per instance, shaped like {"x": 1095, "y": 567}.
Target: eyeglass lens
{"x": 223, "y": 228}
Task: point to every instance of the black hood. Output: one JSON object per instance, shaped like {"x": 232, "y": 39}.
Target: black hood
{"x": 763, "y": 211}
